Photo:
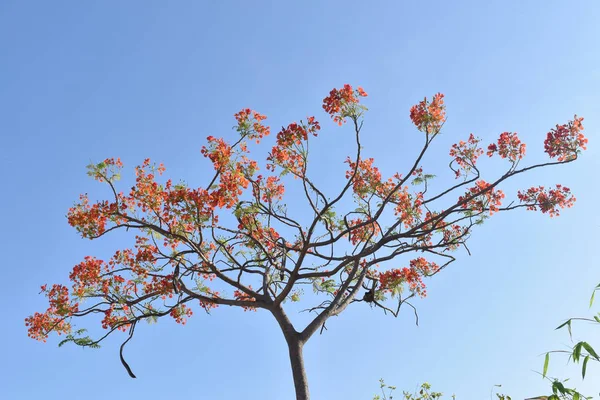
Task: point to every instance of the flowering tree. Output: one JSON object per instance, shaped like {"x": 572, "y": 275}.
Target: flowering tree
{"x": 235, "y": 243}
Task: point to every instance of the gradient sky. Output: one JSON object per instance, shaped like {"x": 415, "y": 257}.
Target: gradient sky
{"x": 85, "y": 80}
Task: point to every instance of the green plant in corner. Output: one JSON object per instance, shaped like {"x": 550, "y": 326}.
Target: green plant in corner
{"x": 581, "y": 353}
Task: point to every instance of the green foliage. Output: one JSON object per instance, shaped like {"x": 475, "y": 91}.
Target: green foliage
{"x": 84, "y": 341}
{"x": 581, "y": 352}
{"x": 424, "y": 393}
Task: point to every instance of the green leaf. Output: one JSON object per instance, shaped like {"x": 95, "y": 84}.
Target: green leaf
{"x": 546, "y": 361}
{"x": 68, "y": 339}
{"x": 577, "y": 351}
{"x": 590, "y": 350}
{"x": 567, "y": 322}
{"x": 585, "y": 361}
{"x": 558, "y": 385}
{"x": 417, "y": 181}
{"x": 593, "y": 293}
{"x": 575, "y": 396}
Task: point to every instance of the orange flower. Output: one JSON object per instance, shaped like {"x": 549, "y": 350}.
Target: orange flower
{"x": 429, "y": 116}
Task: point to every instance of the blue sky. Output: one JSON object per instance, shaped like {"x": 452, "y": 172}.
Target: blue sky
{"x": 83, "y": 81}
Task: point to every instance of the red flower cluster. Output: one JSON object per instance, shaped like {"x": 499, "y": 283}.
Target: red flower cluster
{"x": 181, "y": 313}
{"x": 484, "y": 198}
{"x": 509, "y": 146}
{"x": 111, "y": 320}
{"x": 249, "y": 124}
{"x": 452, "y": 235}
{"x": 61, "y": 307}
{"x": 566, "y": 141}
{"x": 408, "y": 206}
{"x": 90, "y": 220}
{"x": 241, "y": 296}
{"x": 429, "y": 116}
{"x": 367, "y": 179}
{"x": 86, "y": 275}
{"x": 549, "y": 201}
{"x": 363, "y": 233}
{"x": 466, "y": 154}
{"x": 340, "y": 103}
{"x": 218, "y": 152}
{"x": 208, "y": 305}
{"x": 40, "y": 324}
{"x": 159, "y": 285}
{"x": 259, "y": 235}
{"x": 391, "y": 280}
{"x": 286, "y": 152}
{"x": 423, "y": 266}
{"x": 231, "y": 183}
{"x": 270, "y": 189}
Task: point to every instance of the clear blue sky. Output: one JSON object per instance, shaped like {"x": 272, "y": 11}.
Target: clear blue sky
{"x": 83, "y": 80}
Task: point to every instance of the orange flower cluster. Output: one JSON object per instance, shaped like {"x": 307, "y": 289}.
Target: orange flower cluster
{"x": 367, "y": 179}
{"x": 408, "y": 206}
{"x": 549, "y": 201}
{"x": 566, "y": 141}
{"x": 160, "y": 285}
{"x": 363, "y": 233}
{"x": 218, "y": 152}
{"x": 61, "y": 307}
{"x": 40, "y": 324}
{"x": 509, "y": 146}
{"x": 393, "y": 279}
{"x": 427, "y": 116}
{"x": 254, "y": 228}
{"x": 452, "y": 235}
{"x": 86, "y": 275}
{"x": 230, "y": 188}
{"x": 90, "y": 220}
{"x": 423, "y": 266}
{"x": 466, "y": 154}
{"x": 286, "y": 153}
{"x": 208, "y": 305}
{"x": 250, "y": 126}
{"x": 181, "y": 313}
{"x": 340, "y": 103}
{"x": 241, "y": 296}
{"x": 490, "y": 200}
{"x": 269, "y": 190}
{"x": 147, "y": 194}
{"x": 111, "y": 320}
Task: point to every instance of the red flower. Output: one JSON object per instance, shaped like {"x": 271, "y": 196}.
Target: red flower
{"x": 548, "y": 201}
{"x": 566, "y": 141}
{"x": 341, "y": 103}
{"x": 509, "y": 146}
{"x": 429, "y": 116}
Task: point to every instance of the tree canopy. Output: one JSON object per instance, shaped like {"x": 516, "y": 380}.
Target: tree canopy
{"x": 236, "y": 242}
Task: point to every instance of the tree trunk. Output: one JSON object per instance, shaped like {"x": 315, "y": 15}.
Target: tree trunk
{"x": 297, "y": 361}
{"x": 295, "y": 344}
